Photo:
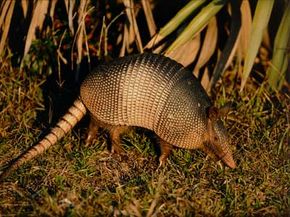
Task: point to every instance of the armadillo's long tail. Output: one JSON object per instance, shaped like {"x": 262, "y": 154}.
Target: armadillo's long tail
{"x": 66, "y": 123}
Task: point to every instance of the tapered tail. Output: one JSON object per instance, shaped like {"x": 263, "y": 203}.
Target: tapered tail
{"x": 65, "y": 124}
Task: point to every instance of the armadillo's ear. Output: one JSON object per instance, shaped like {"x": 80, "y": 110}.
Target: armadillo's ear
{"x": 224, "y": 110}
{"x": 214, "y": 113}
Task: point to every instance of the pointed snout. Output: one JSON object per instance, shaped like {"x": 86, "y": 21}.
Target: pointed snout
{"x": 229, "y": 161}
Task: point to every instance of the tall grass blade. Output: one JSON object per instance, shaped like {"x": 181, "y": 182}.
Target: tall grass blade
{"x": 124, "y": 44}
{"x": 80, "y": 33}
{"x": 260, "y": 22}
{"x": 279, "y": 63}
{"x": 129, "y": 5}
{"x": 198, "y": 23}
{"x": 69, "y": 6}
{"x": 105, "y": 31}
{"x": 149, "y": 17}
{"x": 81, "y": 36}
{"x": 175, "y": 22}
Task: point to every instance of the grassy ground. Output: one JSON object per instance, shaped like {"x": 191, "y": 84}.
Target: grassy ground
{"x": 73, "y": 180}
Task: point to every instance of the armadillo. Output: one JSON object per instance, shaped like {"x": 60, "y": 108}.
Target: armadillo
{"x": 149, "y": 91}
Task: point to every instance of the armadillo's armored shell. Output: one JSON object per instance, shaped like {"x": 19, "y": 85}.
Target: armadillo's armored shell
{"x": 149, "y": 91}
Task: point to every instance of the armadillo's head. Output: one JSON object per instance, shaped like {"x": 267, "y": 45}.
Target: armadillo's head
{"x": 216, "y": 143}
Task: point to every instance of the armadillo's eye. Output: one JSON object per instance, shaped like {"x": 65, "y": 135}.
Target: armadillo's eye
{"x": 215, "y": 138}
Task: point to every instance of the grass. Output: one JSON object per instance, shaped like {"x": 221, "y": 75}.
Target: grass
{"x": 73, "y": 180}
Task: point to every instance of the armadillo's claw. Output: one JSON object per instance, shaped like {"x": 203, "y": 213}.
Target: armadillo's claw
{"x": 116, "y": 149}
{"x": 115, "y": 140}
{"x": 92, "y": 132}
{"x": 162, "y": 160}
{"x": 165, "y": 149}
{"x": 160, "y": 165}
{"x": 89, "y": 140}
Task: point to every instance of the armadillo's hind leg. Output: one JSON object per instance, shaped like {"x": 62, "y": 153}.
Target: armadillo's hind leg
{"x": 92, "y": 131}
{"x": 115, "y": 138}
{"x": 165, "y": 149}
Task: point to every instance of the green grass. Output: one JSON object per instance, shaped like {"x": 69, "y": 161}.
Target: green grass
{"x": 73, "y": 180}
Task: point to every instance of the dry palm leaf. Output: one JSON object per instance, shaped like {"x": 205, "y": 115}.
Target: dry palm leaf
{"x": 37, "y": 20}
{"x": 231, "y": 45}
{"x": 260, "y": 22}
{"x": 186, "y": 53}
{"x": 24, "y": 6}
{"x": 246, "y": 27}
{"x": 6, "y": 15}
{"x": 208, "y": 46}
{"x": 205, "y": 78}
{"x": 52, "y": 8}
{"x": 175, "y": 22}
{"x": 280, "y": 59}
{"x": 197, "y": 24}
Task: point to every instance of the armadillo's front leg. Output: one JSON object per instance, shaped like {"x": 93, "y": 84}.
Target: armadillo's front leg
{"x": 165, "y": 149}
{"x": 115, "y": 138}
{"x": 92, "y": 131}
